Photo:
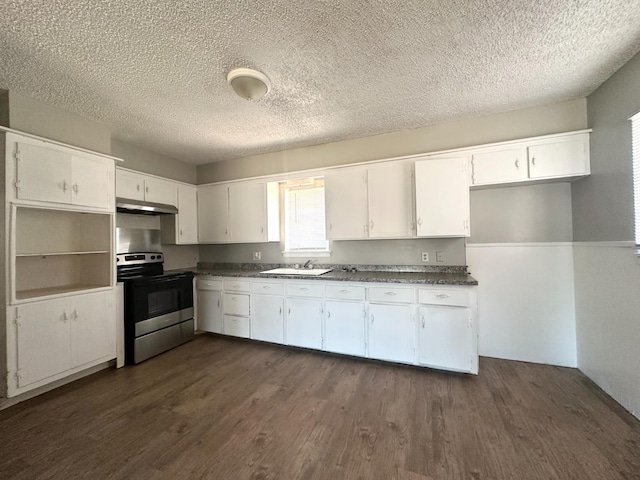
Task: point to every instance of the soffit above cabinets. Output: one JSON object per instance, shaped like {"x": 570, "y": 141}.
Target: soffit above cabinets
{"x": 155, "y": 72}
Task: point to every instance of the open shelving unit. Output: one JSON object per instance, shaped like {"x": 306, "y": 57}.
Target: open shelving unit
{"x": 59, "y": 251}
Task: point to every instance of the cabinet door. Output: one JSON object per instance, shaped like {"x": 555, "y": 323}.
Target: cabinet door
{"x": 210, "y": 311}
{"x": 500, "y": 166}
{"x": 442, "y": 197}
{"x": 93, "y": 328}
{"x": 129, "y": 185}
{"x": 236, "y": 326}
{"x": 43, "y": 340}
{"x": 43, "y": 174}
{"x": 267, "y": 320}
{"x": 391, "y": 204}
{"x": 92, "y": 182}
{"x": 345, "y": 328}
{"x": 304, "y": 323}
{"x": 187, "y": 216}
{"x": 213, "y": 214}
{"x": 345, "y": 199}
{"x": 248, "y": 212}
{"x": 157, "y": 190}
{"x": 447, "y": 339}
{"x": 561, "y": 157}
{"x": 391, "y": 333}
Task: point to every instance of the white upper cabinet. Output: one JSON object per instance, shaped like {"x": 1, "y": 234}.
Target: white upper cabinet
{"x": 56, "y": 174}
{"x": 182, "y": 228}
{"x": 501, "y": 165}
{"x": 248, "y": 212}
{"x": 442, "y": 197}
{"x": 241, "y": 212}
{"x": 158, "y": 190}
{"x": 346, "y": 211}
{"x": 563, "y": 156}
{"x": 390, "y": 200}
{"x": 559, "y": 157}
{"x": 129, "y": 185}
{"x": 138, "y": 186}
{"x": 213, "y": 214}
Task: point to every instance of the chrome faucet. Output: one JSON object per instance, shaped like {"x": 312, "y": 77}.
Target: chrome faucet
{"x": 307, "y": 264}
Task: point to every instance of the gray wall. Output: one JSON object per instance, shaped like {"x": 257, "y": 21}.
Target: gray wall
{"x": 522, "y": 214}
{"x": 560, "y": 117}
{"x": 607, "y": 276}
{"x": 153, "y": 163}
{"x": 37, "y": 118}
{"x": 363, "y": 252}
{"x": 603, "y": 203}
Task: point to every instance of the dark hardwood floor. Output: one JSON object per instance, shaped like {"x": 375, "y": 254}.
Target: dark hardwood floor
{"x": 221, "y": 408}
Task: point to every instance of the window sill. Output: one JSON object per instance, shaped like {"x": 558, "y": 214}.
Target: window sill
{"x": 307, "y": 254}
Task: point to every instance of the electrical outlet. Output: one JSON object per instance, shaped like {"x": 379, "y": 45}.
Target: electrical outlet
{"x": 425, "y": 256}
{"x": 257, "y": 255}
{"x": 439, "y": 256}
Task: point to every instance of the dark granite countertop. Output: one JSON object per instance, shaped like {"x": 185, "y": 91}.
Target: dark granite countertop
{"x": 427, "y": 275}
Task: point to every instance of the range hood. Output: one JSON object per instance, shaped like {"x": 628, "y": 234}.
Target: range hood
{"x": 126, "y": 205}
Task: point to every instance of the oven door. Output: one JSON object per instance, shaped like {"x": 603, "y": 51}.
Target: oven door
{"x": 152, "y": 297}
{"x": 158, "y": 314}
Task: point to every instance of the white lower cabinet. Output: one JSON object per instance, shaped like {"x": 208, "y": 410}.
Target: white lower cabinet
{"x": 345, "y": 328}
{"x": 50, "y": 339}
{"x": 209, "y": 305}
{"x": 433, "y": 326}
{"x": 391, "y": 333}
{"x": 236, "y": 326}
{"x": 267, "y": 321}
{"x": 304, "y": 322}
{"x": 447, "y": 338}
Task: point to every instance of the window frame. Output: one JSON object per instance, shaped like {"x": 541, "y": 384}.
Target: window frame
{"x": 635, "y": 161}
{"x": 299, "y": 184}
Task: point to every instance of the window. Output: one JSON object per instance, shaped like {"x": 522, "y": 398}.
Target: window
{"x": 303, "y": 217}
{"x": 635, "y": 142}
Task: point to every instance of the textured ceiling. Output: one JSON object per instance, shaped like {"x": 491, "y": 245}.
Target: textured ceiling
{"x": 155, "y": 71}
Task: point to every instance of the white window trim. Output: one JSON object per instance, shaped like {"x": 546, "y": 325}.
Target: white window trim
{"x": 306, "y": 253}
{"x": 635, "y": 155}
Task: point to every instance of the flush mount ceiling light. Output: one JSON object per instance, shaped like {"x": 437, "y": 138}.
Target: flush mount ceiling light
{"x": 248, "y": 83}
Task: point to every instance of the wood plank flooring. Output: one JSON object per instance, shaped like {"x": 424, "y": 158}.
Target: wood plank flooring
{"x": 223, "y": 408}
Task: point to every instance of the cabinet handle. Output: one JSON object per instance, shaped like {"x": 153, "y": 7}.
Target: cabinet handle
{"x": 280, "y": 310}
{"x": 371, "y": 224}
{"x": 76, "y": 188}
{"x": 517, "y": 163}
{"x": 304, "y": 289}
{"x": 343, "y": 291}
{"x": 218, "y": 303}
{"x": 138, "y": 187}
{"x": 146, "y": 189}
{"x": 422, "y": 320}
{"x": 372, "y": 319}
{"x": 64, "y": 186}
{"x": 330, "y": 226}
{"x": 75, "y": 314}
{"x": 390, "y": 293}
{"x": 266, "y": 287}
{"x": 65, "y": 317}
{"x": 442, "y": 295}
{"x": 328, "y": 313}
{"x": 364, "y": 228}
{"x": 533, "y": 160}
{"x": 261, "y": 229}
{"x": 180, "y": 232}
{"x": 419, "y": 222}
{"x": 289, "y": 311}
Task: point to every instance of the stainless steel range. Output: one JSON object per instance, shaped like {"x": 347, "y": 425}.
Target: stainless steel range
{"x": 158, "y": 307}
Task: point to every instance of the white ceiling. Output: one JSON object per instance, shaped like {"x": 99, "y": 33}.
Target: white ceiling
{"x": 155, "y": 71}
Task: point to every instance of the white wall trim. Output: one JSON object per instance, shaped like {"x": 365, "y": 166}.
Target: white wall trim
{"x": 520, "y": 245}
{"x": 620, "y": 244}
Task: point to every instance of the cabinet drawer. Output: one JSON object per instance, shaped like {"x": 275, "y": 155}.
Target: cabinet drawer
{"x": 267, "y": 288}
{"x": 456, "y": 298}
{"x": 305, "y": 290}
{"x": 236, "y": 304}
{"x": 208, "y": 284}
{"x": 344, "y": 292}
{"x": 236, "y": 285}
{"x": 391, "y": 295}
{"x": 236, "y": 326}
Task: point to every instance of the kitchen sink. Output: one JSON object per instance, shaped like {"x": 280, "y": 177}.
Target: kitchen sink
{"x": 312, "y": 272}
